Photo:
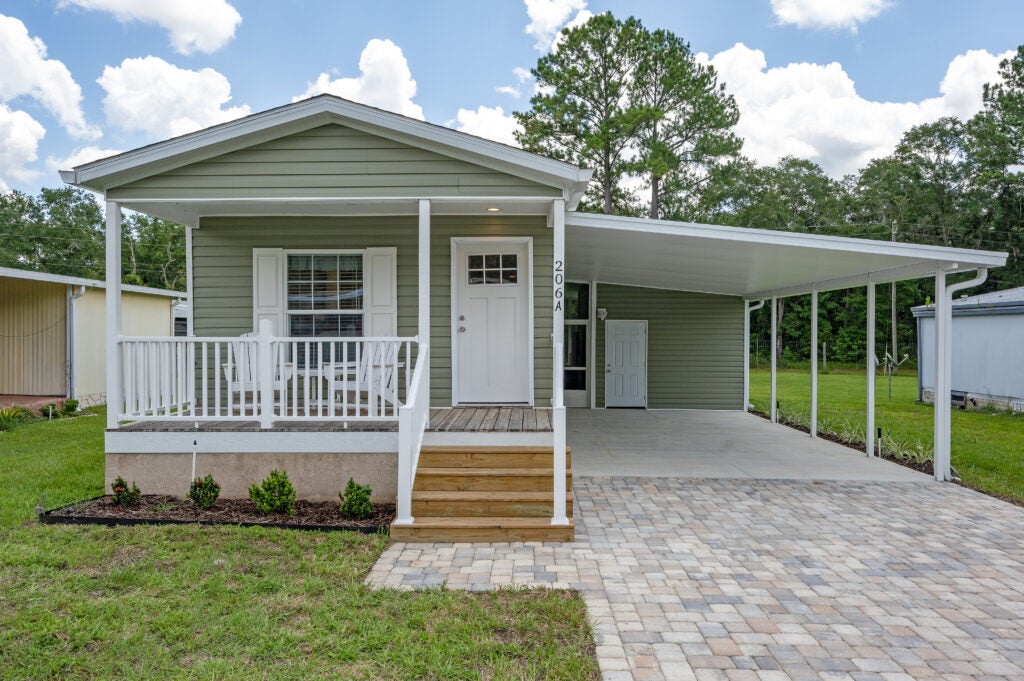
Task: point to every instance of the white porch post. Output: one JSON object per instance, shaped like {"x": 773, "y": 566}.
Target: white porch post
{"x": 870, "y": 439}
{"x": 424, "y": 272}
{"x": 113, "y": 313}
{"x": 775, "y": 331}
{"x": 558, "y": 516}
{"x": 943, "y": 364}
{"x": 814, "y": 362}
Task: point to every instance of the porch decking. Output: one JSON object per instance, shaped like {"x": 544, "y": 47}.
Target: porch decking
{"x": 454, "y": 420}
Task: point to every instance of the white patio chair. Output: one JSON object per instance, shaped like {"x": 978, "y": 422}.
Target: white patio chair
{"x": 373, "y": 373}
{"x": 243, "y": 369}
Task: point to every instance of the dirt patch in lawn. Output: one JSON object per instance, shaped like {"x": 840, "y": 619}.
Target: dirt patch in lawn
{"x": 162, "y": 508}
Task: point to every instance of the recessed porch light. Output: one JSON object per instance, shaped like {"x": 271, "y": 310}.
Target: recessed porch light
{"x": 493, "y": 210}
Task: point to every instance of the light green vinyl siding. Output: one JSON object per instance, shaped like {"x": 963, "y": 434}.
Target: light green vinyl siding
{"x": 694, "y": 345}
{"x": 222, "y": 274}
{"x": 330, "y": 161}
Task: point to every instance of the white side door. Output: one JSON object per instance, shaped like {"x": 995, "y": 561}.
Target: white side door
{"x": 625, "y": 364}
{"x": 491, "y": 327}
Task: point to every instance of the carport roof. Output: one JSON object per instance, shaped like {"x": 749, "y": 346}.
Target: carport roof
{"x": 752, "y": 263}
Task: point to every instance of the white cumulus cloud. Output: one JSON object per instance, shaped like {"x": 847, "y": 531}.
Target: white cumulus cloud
{"x": 163, "y": 100}
{"x": 19, "y": 143}
{"x": 25, "y": 71}
{"x": 193, "y": 25}
{"x": 548, "y": 17}
{"x": 491, "y": 123}
{"x": 813, "y": 111}
{"x": 827, "y": 13}
{"x": 384, "y": 81}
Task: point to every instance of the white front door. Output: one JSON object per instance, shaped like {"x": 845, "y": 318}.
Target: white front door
{"x": 491, "y": 325}
{"x": 625, "y": 364}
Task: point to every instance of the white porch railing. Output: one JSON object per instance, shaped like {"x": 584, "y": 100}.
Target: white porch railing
{"x": 264, "y": 378}
{"x": 413, "y": 417}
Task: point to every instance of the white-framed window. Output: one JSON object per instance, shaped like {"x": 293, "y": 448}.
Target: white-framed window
{"x": 577, "y": 329}
{"x": 325, "y": 293}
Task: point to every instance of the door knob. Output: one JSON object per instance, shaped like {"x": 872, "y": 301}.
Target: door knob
{"x": 462, "y": 329}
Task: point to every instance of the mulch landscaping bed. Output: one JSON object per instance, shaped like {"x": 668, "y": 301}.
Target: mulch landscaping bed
{"x": 168, "y": 510}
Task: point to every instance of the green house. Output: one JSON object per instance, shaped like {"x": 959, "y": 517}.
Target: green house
{"x": 381, "y": 298}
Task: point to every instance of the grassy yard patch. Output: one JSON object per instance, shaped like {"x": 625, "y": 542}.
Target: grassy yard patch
{"x": 88, "y": 602}
{"x": 987, "y": 447}
{"x": 62, "y": 459}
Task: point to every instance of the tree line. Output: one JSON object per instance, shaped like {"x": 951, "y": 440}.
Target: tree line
{"x": 658, "y": 128}
{"x": 656, "y": 124}
{"x": 61, "y": 231}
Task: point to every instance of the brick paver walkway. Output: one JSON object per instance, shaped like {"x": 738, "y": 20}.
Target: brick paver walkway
{"x": 767, "y": 580}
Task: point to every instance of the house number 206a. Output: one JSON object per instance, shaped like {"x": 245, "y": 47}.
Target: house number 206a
{"x": 559, "y": 284}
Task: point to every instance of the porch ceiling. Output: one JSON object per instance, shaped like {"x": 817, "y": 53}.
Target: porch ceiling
{"x": 751, "y": 263}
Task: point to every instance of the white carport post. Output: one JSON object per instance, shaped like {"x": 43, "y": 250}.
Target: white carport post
{"x": 814, "y": 362}
{"x": 113, "y": 312}
{"x": 943, "y": 366}
{"x": 559, "y": 515}
{"x": 775, "y": 331}
{"x": 748, "y": 308}
{"x": 869, "y": 441}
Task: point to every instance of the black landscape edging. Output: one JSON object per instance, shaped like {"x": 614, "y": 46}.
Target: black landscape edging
{"x": 52, "y": 517}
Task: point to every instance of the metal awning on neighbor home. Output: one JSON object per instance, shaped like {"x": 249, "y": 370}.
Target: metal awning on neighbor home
{"x": 751, "y": 263}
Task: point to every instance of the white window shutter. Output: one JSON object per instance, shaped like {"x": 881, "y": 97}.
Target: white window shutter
{"x": 380, "y": 291}
{"x": 268, "y": 288}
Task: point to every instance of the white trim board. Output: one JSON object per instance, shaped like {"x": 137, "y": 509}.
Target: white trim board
{"x": 256, "y": 442}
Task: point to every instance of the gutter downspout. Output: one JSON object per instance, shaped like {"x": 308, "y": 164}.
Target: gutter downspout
{"x": 746, "y": 351}
{"x": 72, "y": 333}
{"x": 944, "y": 368}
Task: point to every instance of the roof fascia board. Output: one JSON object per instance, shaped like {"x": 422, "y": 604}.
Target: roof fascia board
{"x": 795, "y": 239}
{"x": 705, "y": 292}
{"x": 927, "y": 312}
{"x": 902, "y": 273}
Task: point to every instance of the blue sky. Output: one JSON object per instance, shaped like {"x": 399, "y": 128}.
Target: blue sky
{"x": 836, "y": 82}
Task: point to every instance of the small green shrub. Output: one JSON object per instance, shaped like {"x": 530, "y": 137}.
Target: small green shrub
{"x": 275, "y": 494}
{"x": 50, "y": 411}
{"x": 204, "y": 492}
{"x": 355, "y": 500}
{"x": 125, "y": 496}
{"x": 69, "y": 408}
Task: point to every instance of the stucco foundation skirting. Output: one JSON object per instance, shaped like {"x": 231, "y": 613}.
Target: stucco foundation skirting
{"x": 51, "y": 517}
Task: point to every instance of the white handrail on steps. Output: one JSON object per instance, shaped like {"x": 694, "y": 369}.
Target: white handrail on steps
{"x": 413, "y": 417}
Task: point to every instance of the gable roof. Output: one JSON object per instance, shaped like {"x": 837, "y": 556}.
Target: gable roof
{"x": 323, "y": 109}
{"x": 13, "y": 273}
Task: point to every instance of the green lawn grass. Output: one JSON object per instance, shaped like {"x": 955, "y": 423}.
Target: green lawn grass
{"x": 987, "y": 447}
{"x": 88, "y": 602}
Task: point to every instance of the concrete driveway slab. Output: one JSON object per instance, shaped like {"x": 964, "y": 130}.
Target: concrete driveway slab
{"x": 712, "y": 444}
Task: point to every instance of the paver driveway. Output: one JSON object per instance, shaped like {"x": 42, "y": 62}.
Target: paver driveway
{"x": 765, "y": 580}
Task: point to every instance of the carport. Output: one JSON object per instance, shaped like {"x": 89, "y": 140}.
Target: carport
{"x": 759, "y": 266}
{"x": 713, "y": 444}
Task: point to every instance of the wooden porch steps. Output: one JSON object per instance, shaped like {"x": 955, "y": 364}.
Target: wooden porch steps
{"x": 485, "y": 494}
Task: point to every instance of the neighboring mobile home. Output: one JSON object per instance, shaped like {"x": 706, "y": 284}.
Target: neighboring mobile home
{"x": 988, "y": 361}
{"x": 53, "y": 335}
{"x": 369, "y": 293}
